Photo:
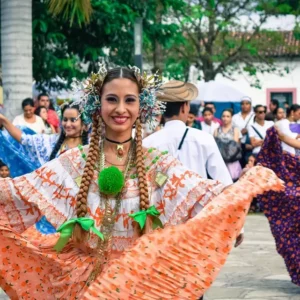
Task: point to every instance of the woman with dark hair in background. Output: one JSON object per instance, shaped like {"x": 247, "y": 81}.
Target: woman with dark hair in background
{"x": 42, "y": 112}
{"x": 43, "y": 99}
{"x": 28, "y": 118}
{"x": 279, "y": 114}
{"x": 37, "y": 149}
{"x": 192, "y": 117}
{"x": 228, "y": 139}
{"x": 271, "y": 115}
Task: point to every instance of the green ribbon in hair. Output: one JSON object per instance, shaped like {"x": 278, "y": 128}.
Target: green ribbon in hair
{"x": 66, "y": 231}
{"x": 141, "y": 217}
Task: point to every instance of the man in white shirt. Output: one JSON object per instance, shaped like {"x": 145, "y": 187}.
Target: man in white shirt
{"x": 242, "y": 120}
{"x": 258, "y": 130}
{"x": 293, "y": 116}
{"x": 196, "y": 149}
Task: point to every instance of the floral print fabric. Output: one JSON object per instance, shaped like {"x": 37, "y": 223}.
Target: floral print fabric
{"x": 283, "y": 209}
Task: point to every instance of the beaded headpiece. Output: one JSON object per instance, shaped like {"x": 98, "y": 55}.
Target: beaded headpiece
{"x": 90, "y": 89}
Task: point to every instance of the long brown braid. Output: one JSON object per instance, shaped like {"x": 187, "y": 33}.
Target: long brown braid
{"x": 141, "y": 173}
{"x": 79, "y": 234}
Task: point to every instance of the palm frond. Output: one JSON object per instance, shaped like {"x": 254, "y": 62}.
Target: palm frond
{"x": 79, "y": 10}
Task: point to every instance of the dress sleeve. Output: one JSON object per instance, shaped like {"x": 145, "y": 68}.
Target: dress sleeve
{"x": 50, "y": 190}
{"x": 183, "y": 194}
{"x": 39, "y": 145}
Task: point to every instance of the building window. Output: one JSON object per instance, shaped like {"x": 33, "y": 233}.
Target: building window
{"x": 284, "y": 95}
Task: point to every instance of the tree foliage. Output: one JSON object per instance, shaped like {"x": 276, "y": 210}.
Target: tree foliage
{"x": 73, "y": 51}
{"x": 224, "y": 37}
{"x": 216, "y": 36}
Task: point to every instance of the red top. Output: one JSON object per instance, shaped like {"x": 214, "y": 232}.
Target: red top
{"x": 53, "y": 119}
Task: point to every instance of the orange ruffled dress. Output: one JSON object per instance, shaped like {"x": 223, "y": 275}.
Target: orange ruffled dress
{"x": 178, "y": 262}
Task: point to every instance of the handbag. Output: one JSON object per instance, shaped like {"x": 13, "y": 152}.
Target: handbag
{"x": 230, "y": 150}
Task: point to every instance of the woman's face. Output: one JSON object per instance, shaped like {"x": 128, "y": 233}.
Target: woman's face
{"x": 44, "y": 114}
{"x": 72, "y": 123}
{"x": 28, "y": 111}
{"x": 226, "y": 118}
{"x": 120, "y": 106}
{"x": 280, "y": 114}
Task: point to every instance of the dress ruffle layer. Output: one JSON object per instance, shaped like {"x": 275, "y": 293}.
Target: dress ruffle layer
{"x": 181, "y": 262}
{"x": 178, "y": 262}
{"x": 283, "y": 209}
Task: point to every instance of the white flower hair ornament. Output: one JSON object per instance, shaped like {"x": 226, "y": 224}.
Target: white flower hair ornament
{"x": 149, "y": 106}
{"x": 90, "y": 89}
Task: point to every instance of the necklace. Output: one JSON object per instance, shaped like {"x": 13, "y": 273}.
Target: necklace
{"x": 119, "y": 147}
{"x": 119, "y": 165}
{"x": 109, "y": 218}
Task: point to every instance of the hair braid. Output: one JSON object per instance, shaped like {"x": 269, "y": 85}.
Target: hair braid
{"x": 144, "y": 196}
{"x": 58, "y": 145}
{"x": 142, "y": 181}
{"x": 88, "y": 173}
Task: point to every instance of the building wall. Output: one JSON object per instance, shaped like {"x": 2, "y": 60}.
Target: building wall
{"x": 269, "y": 82}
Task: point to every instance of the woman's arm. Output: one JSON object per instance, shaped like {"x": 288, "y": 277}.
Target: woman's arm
{"x": 15, "y": 132}
{"x": 236, "y": 136}
{"x": 288, "y": 140}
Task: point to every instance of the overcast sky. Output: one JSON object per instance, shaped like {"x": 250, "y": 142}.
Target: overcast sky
{"x": 280, "y": 23}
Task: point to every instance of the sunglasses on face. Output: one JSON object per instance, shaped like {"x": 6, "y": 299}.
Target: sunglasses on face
{"x": 261, "y": 112}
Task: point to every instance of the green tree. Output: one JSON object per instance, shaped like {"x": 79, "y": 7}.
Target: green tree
{"x": 216, "y": 41}
{"x": 73, "y": 50}
{"x": 208, "y": 34}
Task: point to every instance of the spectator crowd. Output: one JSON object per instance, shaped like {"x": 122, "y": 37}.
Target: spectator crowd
{"x": 239, "y": 136}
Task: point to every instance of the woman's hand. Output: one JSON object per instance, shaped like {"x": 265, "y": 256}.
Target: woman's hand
{"x": 15, "y": 132}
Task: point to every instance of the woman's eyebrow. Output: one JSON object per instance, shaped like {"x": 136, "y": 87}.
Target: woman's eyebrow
{"x": 114, "y": 95}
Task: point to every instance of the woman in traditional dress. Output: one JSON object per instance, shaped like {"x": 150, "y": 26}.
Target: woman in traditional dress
{"x": 103, "y": 197}
{"x": 23, "y": 151}
{"x": 283, "y": 209}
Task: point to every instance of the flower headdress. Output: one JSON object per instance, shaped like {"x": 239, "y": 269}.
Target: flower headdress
{"x": 90, "y": 102}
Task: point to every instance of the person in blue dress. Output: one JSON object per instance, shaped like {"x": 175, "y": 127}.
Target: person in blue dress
{"x": 24, "y": 151}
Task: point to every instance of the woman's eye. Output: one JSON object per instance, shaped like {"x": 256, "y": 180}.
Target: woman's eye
{"x": 111, "y": 99}
{"x": 130, "y": 100}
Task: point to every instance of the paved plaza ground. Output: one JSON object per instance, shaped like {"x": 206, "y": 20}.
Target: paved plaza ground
{"x": 254, "y": 271}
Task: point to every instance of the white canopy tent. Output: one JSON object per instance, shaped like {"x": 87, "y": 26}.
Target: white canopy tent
{"x": 214, "y": 91}
{"x": 223, "y": 95}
